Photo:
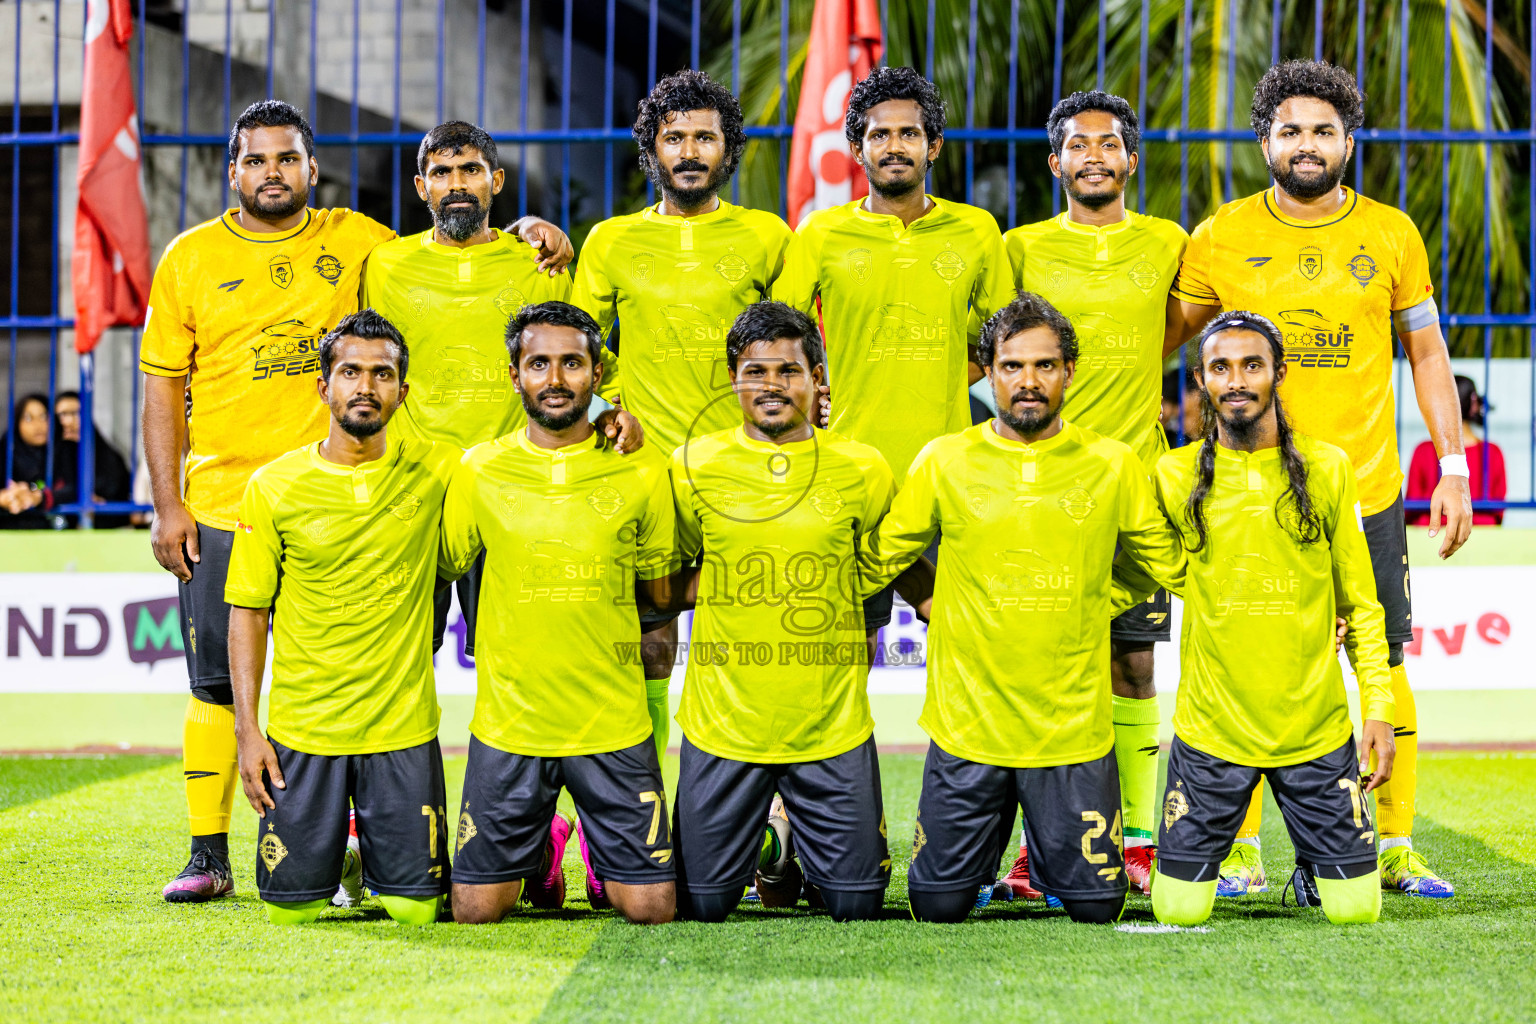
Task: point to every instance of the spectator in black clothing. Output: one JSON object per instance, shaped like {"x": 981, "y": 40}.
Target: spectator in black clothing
{"x": 28, "y": 495}
{"x": 113, "y": 481}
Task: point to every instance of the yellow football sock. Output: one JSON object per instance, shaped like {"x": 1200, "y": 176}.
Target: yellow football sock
{"x": 661, "y": 717}
{"x": 1350, "y": 900}
{"x": 1255, "y": 816}
{"x": 209, "y": 765}
{"x": 1175, "y": 901}
{"x": 1136, "y": 724}
{"x": 1394, "y": 800}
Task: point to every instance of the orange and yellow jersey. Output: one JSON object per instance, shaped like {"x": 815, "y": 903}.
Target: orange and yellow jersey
{"x": 899, "y": 306}
{"x": 241, "y": 314}
{"x": 1333, "y": 287}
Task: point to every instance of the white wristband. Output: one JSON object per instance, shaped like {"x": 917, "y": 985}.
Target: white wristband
{"x": 1454, "y": 465}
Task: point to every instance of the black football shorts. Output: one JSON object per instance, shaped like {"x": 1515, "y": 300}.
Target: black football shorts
{"x": 1386, "y": 537}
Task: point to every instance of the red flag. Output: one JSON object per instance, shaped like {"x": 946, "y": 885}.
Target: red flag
{"x": 111, "y": 258}
{"x": 845, "y": 43}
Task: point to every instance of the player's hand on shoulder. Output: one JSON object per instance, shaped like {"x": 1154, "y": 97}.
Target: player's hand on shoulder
{"x": 1452, "y": 498}
{"x": 823, "y": 406}
{"x": 173, "y": 535}
{"x": 621, "y": 428}
{"x": 554, "y": 245}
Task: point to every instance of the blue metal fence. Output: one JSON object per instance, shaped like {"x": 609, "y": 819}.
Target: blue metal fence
{"x": 690, "y": 31}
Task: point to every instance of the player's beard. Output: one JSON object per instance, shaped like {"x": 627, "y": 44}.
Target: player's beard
{"x": 555, "y": 423}
{"x": 1096, "y": 201}
{"x": 894, "y": 190}
{"x": 361, "y": 428}
{"x": 1310, "y": 186}
{"x": 780, "y": 427}
{"x": 1031, "y": 423}
{"x": 459, "y": 224}
{"x": 274, "y": 209}
{"x": 1241, "y": 430}
{"x": 693, "y": 198}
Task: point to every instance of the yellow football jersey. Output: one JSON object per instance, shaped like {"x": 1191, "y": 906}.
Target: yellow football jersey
{"x": 778, "y": 660}
{"x": 347, "y": 557}
{"x": 899, "y": 307}
{"x": 243, "y": 313}
{"x": 675, "y": 285}
{"x": 452, "y": 305}
{"x": 1331, "y": 286}
{"x": 1259, "y": 682}
{"x": 565, "y": 532}
{"x": 1018, "y": 644}
{"x": 1112, "y": 282}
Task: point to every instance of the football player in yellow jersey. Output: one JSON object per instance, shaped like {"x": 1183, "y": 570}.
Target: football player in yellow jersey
{"x": 572, "y": 531}
{"x": 1272, "y": 524}
{"x": 1340, "y": 275}
{"x": 451, "y": 291}
{"x": 1033, "y": 510}
{"x": 237, "y": 310}
{"x": 903, "y": 281}
{"x": 337, "y": 544}
{"x": 1108, "y": 270}
{"x": 774, "y": 699}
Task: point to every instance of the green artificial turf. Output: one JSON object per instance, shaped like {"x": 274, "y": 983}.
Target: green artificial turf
{"x": 86, "y": 843}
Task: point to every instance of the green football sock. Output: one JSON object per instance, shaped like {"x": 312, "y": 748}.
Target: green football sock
{"x": 1136, "y": 723}
{"x": 1351, "y": 900}
{"x": 1176, "y": 901}
{"x": 769, "y": 852}
{"x": 661, "y": 717}
{"x": 417, "y": 910}
{"x": 295, "y": 913}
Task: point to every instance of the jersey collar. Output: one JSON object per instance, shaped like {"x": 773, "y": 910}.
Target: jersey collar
{"x": 989, "y": 431}
{"x": 519, "y": 439}
{"x": 769, "y": 448}
{"x": 501, "y": 241}
{"x": 1225, "y": 454}
{"x": 654, "y": 215}
{"x": 265, "y": 236}
{"x": 939, "y": 210}
{"x": 1351, "y": 200}
{"x": 389, "y": 458}
{"x": 1066, "y": 223}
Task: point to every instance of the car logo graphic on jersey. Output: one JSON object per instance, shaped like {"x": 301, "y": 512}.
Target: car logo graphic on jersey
{"x": 1056, "y": 272}
{"x": 948, "y": 264}
{"x": 467, "y": 831}
{"x": 230, "y": 286}
{"x": 1362, "y": 268}
{"x": 1077, "y": 503}
{"x": 643, "y": 263}
{"x": 1175, "y": 806}
{"x": 605, "y": 501}
{"x": 732, "y": 267}
{"x": 272, "y": 850}
{"x": 1310, "y": 262}
{"x": 1258, "y": 261}
{"x": 859, "y": 263}
{"x": 827, "y": 502}
{"x": 329, "y": 267}
{"x": 903, "y": 332}
{"x": 1254, "y": 585}
{"x": 510, "y": 300}
{"x": 404, "y": 506}
{"x": 280, "y": 269}
{"x": 1144, "y": 275}
{"x": 977, "y": 500}
{"x": 688, "y": 333}
{"x": 1311, "y": 339}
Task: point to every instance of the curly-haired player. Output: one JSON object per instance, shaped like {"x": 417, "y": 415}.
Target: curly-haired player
{"x": 1339, "y": 275}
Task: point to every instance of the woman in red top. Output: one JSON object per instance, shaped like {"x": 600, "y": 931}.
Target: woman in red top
{"x": 1424, "y": 470}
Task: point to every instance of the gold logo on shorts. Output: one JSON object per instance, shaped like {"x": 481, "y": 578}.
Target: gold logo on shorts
{"x": 919, "y": 840}
{"x": 467, "y": 831}
{"x": 272, "y": 851}
{"x": 1174, "y": 806}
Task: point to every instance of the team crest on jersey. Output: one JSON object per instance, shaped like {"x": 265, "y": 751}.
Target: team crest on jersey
{"x": 1362, "y": 268}
{"x": 404, "y": 506}
{"x": 1310, "y": 262}
{"x": 467, "y": 831}
{"x": 1077, "y": 503}
{"x": 644, "y": 264}
{"x": 1144, "y": 275}
{"x": 977, "y": 500}
{"x": 329, "y": 267}
{"x": 1056, "y": 273}
{"x": 318, "y": 525}
{"x": 511, "y": 499}
{"x": 1175, "y": 806}
{"x": 510, "y": 300}
{"x": 280, "y": 269}
{"x": 606, "y": 501}
{"x": 418, "y": 302}
{"x": 859, "y": 263}
{"x": 827, "y": 502}
{"x": 732, "y": 267}
{"x": 272, "y": 850}
{"x": 948, "y": 264}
